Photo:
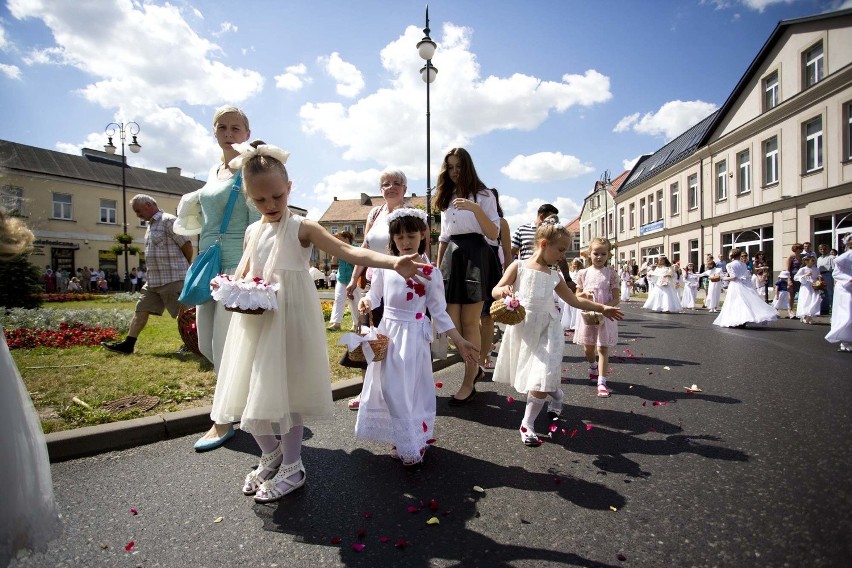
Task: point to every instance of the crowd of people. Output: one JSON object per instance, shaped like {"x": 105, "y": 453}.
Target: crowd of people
{"x": 272, "y": 364}
{"x": 89, "y": 280}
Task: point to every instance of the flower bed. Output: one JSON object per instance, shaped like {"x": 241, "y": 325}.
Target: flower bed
{"x": 326, "y": 308}
{"x": 70, "y": 297}
{"x": 53, "y": 318}
{"x": 67, "y": 335}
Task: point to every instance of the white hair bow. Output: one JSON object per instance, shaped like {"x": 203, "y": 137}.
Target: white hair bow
{"x": 247, "y": 152}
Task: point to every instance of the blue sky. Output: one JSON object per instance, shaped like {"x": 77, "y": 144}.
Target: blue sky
{"x": 546, "y": 95}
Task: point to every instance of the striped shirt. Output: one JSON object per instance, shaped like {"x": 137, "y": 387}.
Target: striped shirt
{"x": 523, "y": 239}
{"x": 163, "y": 255}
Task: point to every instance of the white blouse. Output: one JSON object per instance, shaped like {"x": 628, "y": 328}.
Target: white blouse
{"x": 457, "y": 222}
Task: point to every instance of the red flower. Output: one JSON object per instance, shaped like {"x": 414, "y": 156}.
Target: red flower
{"x": 427, "y": 270}
{"x": 418, "y": 315}
{"x": 409, "y": 296}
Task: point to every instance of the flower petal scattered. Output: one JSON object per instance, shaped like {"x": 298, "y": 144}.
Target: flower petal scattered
{"x": 358, "y": 546}
{"x": 129, "y": 546}
{"x": 409, "y": 296}
{"x": 413, "y": 509}
{"x": 336, "y": 540}
{"x": 613, "y": 509}
{"x": 400, "y": 543}
{"x": 478, "y": 489}
{"x": 588, "y": 427}
{"x": 621, "y": 557}
{"x": 218, "y": 519}
{"x": 553, "y": 427}
{"x": 510, "y": 400}
{"x": 425, "y": 426}
{"x": 433, "y": 521}
{"x": 133, "y": 511}
{"x": 439, "y": 384}
{"x": 384, "y": 539}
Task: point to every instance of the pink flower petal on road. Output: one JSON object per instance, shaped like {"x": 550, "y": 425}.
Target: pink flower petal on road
{"x": 133, "y": 511}
{"x": 129, "y": 546}
{"x": 336, "y": 540}
{"x": 425, "y": 427}
{"x": 401, "y": 543}
{"x": 588, "y": 427}
{"x": 358, "y": 546}
{"x": 384, "y": 539}
{"x": 510, "y": 400}
{"x": 439, "y": 384}
{"x": 553, "y": 427}
{"x": 413, "y": 509}
{"x": 573, "y": 432}
{"x": 644, "y": 403}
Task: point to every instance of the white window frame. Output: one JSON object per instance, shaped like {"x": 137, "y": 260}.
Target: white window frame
{"x": 814, "y": 59}
{"x": 674, "y": 198}
{"x": 61, "y": 209}
{"x": 621, "y": 219}
{"x": 722, "y": 180}
{"x": 12, "y": 199}
{"x": 771, "y": 91}
{"x": 813, "y": 145}
{"x": 632, "y": 216}
{"x": 692, "y": 189}
{"x": 848, "y": 131}
{"x": 660, "y": 204}
{"x": 770, "y": 161}
{"x": 744, "y": 172}
{"x": 675, "y": 255}
{"x": 641, "y": 211}
{"x": 333, "y": 229}
{"x": 109, "y": 215}
{"x": 651, "y": 209}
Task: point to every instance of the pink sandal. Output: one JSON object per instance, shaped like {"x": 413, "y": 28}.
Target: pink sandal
{"x": 603, "y": 392}
{"x": 355, "y": 403}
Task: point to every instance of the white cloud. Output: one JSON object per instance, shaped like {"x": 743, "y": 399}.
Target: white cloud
{"x": 132, "y": 68}
{"x": 517, "y": 213}
{"x": 226, "y": 27}
{"x": 670, "y": 121}
{"x": 350, "y": 81}
{"x": 4, "y": 43}
{"x": 293, "y": 78}
{"x": 11, "y": 71}
{"x": 349, "y": 184}
{"x": 630, "y": 162}
{"x": 545, "y": 166}
{"x": 388, "y": 125}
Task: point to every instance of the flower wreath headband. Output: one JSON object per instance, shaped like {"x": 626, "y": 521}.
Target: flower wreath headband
{"x": 407, "y": 212}
{"x": 247, "y": 152}
{"x": 552, "y": 220}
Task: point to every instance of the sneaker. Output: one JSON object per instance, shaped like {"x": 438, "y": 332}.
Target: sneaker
{"x": 119, "y": 347}
{"x": 529, "y": 438}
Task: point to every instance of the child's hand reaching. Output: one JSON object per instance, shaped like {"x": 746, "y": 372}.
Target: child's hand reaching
{"x": 409, "y": 267}
{"x": 613, "y": 313}
{"x": 364, "y": 306}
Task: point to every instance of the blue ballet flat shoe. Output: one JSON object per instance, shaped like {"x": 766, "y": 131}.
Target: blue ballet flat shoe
{"x": 205, "y": 444}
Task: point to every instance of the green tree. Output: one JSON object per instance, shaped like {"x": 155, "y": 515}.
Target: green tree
{"x": 21, "y": 283}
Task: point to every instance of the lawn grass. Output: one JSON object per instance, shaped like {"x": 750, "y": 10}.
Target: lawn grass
{"x": 95, "y": 376}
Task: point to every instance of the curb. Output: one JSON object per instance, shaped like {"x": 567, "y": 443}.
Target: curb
{"x": 93, "y": 440}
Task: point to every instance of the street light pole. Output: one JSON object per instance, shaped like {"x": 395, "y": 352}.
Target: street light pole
{"x": 122, "y": 129}
{"x": 426, "y": 48}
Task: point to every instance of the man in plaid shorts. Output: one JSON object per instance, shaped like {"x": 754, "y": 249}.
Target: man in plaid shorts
{"x": 167, "y": 255}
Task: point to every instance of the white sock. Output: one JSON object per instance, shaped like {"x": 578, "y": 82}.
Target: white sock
{"x": 557, "y": 396}
{"x": 601, "y": 380}
{"x": 593, "y": 366}
{"x": 531, "y": 412}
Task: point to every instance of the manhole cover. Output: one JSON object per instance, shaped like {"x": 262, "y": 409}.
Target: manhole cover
{"x": 140, "y": 402}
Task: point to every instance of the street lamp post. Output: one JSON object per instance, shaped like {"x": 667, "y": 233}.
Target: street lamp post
{"x": 426, "y": 49}
{"x": 123, "y": 128}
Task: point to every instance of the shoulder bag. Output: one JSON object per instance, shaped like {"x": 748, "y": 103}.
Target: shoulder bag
{"x": 196, "y": 284}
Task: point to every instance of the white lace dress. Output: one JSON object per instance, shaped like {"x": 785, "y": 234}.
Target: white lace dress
{"x": 530, "y": 356}
{"x": 29, "y": 517}
{"x": 841, "y": 307}
{"x": 809, "y": 299}
{"x": 567, "y": 312}
{"x": 662, "y": 296}
{"x": 275, "y": 372}
{"x": 742, "y": 304}
{"x": 690, "y": 290}
{"x": 398, "y": 396}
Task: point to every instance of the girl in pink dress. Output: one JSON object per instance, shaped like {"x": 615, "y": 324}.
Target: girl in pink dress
{"x": 598, "y": 283}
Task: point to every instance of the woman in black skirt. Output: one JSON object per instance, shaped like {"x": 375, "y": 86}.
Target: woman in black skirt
{"x": 468, "y": 264}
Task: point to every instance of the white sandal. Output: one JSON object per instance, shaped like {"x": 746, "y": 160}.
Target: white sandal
{"x": 529, "y": 438}
{"x": 253, "y": 479}
{"x": 269, "y": 490}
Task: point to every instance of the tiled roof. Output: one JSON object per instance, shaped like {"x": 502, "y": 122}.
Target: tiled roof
{"x": 356, "y": 210}
{"x": 574, "y": 226}
{"x": 29, "y": 159}
{"x": 681, "y": 147}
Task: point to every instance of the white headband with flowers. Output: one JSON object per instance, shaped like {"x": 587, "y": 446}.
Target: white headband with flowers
{"x": 247, "y": 152}
{"x": 407, "y": 212}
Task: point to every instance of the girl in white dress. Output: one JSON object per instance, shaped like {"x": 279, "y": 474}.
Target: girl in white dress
{"x": 690, "y": 287}
{"x": 662, "y": 296}
{"x": 809, "y": 299}
{"x": 274, "y": 372}
{"x": 714, "y": 285}
{"x": 782, "y": 295}
{"x": 626, "y": 283}
{"x": 569, "y": 312}
{"x": 841, "y": 307}
{"x": 742, "y": 304}
{"x": 530, "y": 357}
{"x": 398, "y": 397}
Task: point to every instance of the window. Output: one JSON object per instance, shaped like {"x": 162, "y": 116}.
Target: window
{"x": 651, "y": 208}
{"x": 108, "y": 211}
{"x": 721, "y": 181}
{"x": 659, "y": 204}
{"x": 61, "y": 206}
{"x": 770, "y": 161}
{"x": 12, "y": 200}
{"x": 813, "y": 145}
{"x": 609, "y": 226}
{"x": 641, "y": 211}
{"x": 814, "y": 65}
{"x": 621, "y": 220}
{"x": 770, "y": 91}
{"x": 334, "y": 229}
{"x": 347, "y": 228}
{"x": 693, "y": 252}
{"x": 692, "y": 198}
{"x": 675, "y": 256}
{"x": 359, "y": 230}
{"x": 632, "y": 216}
{"x": 849, "y": 131}
{"x": 674, "y": 198}
{"x": 744, "y": 172}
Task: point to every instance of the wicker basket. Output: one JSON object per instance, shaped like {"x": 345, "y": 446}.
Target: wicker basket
{"x": 502, "y": 314}
{"x": 819, "y": 285}
{"x": 715, "y": 278}
{"x": 255, "y": 311}
{"x": 592, "y": 318}
{"x": 378, "y": 345}
{"x": 188, "y": 331}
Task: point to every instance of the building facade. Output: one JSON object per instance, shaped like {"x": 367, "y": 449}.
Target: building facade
{"x": 73, "y": 204}
{"x": 771, "y": 167}
{"x": 597, "y": 218}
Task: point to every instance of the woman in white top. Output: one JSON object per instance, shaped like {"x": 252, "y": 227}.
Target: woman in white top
{"x": 468, "y": 264}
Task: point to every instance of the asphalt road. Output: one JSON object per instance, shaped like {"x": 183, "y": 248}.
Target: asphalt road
{"x": 753, "y": 471}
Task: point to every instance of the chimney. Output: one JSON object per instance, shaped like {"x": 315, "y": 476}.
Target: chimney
{"x": 173, "y": 171}
{"x": 335, "y": 198}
